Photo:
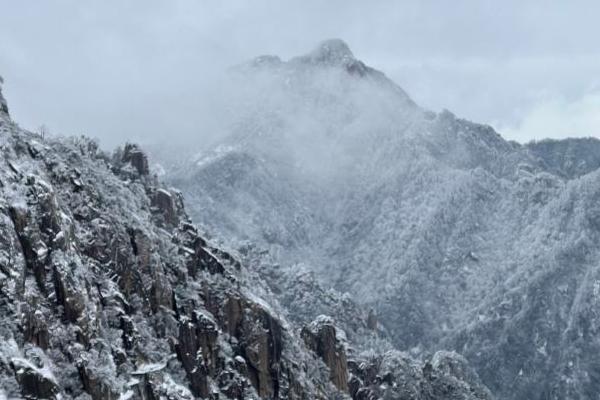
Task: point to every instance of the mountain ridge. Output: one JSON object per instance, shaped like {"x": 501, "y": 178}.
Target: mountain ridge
{"x": 437, "y": 223}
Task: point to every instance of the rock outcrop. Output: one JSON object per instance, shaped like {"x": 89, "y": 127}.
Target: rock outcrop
{"x": 136, "y": 158}
{"x": 394, "y": 375}
{"x": 321, "y": 337}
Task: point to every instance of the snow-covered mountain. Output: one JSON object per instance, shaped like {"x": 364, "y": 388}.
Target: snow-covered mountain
{"x": 455, "y": 237}
{"x": 108, "y": 291}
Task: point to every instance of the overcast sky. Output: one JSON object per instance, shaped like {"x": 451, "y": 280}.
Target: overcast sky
{"x": 135, "y": 69}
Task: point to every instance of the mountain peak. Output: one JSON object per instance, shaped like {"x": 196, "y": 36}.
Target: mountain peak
{"x": 332, "y": 50}
{"x": 329, "y": 52}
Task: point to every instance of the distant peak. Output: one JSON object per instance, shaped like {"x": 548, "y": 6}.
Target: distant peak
{"x": 267, "y": 59}
{"x": 332, "y": 50}
{"x": 329, "y": 52}
{"x": 260, "y": 62}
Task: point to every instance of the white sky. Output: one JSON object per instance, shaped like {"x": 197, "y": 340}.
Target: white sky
{"x": 134, "y": 69}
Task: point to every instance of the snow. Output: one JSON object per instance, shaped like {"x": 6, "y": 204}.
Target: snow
{"x": 216, "y": 154}
{"x": 127, "y": 395}
{"x": 240, "y": 359}
{"x": 148, "y": 368}
{"x": 22, "y": 363}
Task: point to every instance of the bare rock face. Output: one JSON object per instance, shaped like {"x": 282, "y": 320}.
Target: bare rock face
{"x": 137, "y": 158}
{"x": 165, "y": 203}
{"x": 372, "y": 320}
{"x": 321, "y": 337}
{"x": 161, "y": 293}
{"x": 262, "y": 345}
{"x": 94, "y": 384}
{"x": 197, "y": 350}
{"x": 37, "y": 227}
{"x": 35, "y": 327}
{"x": 35, "y": 383}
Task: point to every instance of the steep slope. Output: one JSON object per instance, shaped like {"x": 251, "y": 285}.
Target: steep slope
{"x": 569, "y": 158}
{"x": 107, "y": 291}
{"x": 456, "y": 237}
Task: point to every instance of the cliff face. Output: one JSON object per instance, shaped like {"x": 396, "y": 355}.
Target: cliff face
{"x": 321, "y": 337}
{"x": 108, "y": 291}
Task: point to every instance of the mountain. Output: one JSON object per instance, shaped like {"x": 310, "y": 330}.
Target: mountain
{"x": 109, "y": 291}
{"x": 455, "y": 237}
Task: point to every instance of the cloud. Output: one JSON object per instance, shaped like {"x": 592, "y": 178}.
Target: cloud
{"x": 556, "y": 117}
{"x": 147, "y": 69}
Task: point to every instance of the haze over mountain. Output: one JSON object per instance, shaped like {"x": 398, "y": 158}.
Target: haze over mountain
{"x": 134, "y": 70}
{"x": 109, "y": 291}
{"x": 457, "y": 238}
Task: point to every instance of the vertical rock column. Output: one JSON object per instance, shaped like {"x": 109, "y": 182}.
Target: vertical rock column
{"x": 321, "y": 337}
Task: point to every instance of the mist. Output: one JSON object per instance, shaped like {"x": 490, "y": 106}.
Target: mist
{"x": 150, "y": 71}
